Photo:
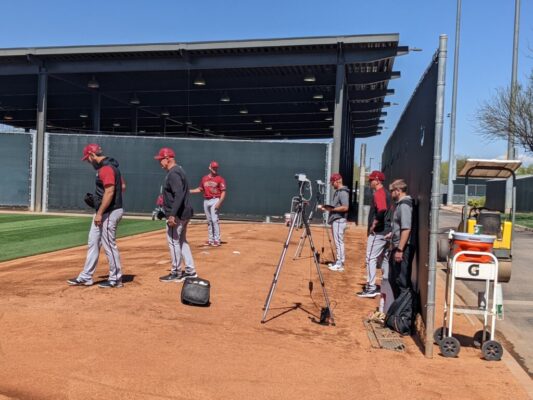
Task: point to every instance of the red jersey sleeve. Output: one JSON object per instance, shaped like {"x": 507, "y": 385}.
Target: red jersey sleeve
{"x": 107, "y": 175}
{"x": 202, "y": 182}
{"x": 222, "y": 184}
{"x": 380, "y": 200}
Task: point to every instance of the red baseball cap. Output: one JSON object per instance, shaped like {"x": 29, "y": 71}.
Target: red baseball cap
{"x": 165, "y": 152}
{"x": 335, "y": 177}
{"x": 91, "y": 148}
{"x": 213, "y": 165}
{"x": 380, "y": 176}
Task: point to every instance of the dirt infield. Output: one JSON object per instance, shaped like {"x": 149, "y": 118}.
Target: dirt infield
{"x": 140, "y": 342}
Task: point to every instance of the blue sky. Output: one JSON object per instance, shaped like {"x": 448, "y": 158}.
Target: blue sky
{"x": 485, "y": 55}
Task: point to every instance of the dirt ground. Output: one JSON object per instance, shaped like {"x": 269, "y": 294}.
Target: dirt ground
{"x": 140, "y": 342}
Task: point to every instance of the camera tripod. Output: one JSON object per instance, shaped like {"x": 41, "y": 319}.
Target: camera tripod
{"x": 300, "y": 216}
{"x": 319, "y": 200}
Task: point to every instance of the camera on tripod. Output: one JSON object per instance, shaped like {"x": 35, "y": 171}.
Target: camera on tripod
{"x": 301, "y": 177}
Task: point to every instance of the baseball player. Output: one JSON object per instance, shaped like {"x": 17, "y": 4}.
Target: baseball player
{"x": 377, "y": 244}
{"x": 213, "y": 187}
{"x": 338, "y": 212}
{"x": 107, "y": 202}
{"x": 178, "y": 211}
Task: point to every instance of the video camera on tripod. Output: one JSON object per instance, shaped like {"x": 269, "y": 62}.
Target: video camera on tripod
{"x": 298, "y": 217}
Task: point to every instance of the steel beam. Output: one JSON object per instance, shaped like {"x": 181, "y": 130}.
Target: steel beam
{"x": 42, "y": 89}
{"x": 96, "y": 110}
{"x": 339, "y": 115}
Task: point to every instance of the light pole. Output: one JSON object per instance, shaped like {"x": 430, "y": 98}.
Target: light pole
{"x": 451, "y": 158}
{"x": 510, "y": 138}
{"x": 370, "y": 163}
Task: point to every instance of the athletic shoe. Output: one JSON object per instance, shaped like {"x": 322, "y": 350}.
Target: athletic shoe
{"x": 216, "y": 243}
{"x": 371, "y": 293}
{"x": 186, "y": 275}
{"x": 337, "y": 268}
{"x": 111, "y": 284}
{"x": 208, "y": 243}
{"x": 79, "y": 282}
{"x": 173, "y": 276}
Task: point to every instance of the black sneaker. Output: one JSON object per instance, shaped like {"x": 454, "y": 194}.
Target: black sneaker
{"x": 111, "y": 284}
{"x": 79, "y": 282}
{"x": 368, "y": 293}
{"x": 187, "y": 275}
{"x": 172, "y": 277}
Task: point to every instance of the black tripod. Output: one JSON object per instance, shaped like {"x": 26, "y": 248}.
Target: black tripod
{"x": 300, "y": 211}
{"x": 319, "y": 200}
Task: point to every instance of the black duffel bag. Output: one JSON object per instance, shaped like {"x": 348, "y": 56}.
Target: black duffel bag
{"x": 400, "y": 317}
{"x": 196, "y": 292}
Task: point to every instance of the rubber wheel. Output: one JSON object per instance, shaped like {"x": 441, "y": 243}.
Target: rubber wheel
{"x": 443, "y": 248}
{"x": 492, "y": 350}
{"x": 478, "y": 338}
{"x": 450, "y": 347}
{"x": 438, "y": 334}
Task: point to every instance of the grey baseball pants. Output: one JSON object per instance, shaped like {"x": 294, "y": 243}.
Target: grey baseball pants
{"x": 104, "y": 234}
{"x": 376, "y": 251}
{"x": 211, "y": 213}
{"x": 338, "y": 227}
{"x": 179, "y": 247}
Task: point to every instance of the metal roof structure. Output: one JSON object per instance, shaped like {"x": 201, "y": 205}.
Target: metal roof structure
{"x": 478, "y": 168}
{"x": 249, "y": 89}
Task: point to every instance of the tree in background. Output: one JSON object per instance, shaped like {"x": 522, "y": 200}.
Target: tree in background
{"x": 494, "y": 115}
{"x": 460, "y": 162}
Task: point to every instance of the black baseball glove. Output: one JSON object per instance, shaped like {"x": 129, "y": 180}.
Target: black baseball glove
{"x": 89, "y": 200}
{"x": 161, "y": 215}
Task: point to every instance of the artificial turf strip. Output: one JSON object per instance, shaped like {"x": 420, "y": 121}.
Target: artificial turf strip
{"x": 524, "y": 219}
{"x": 24, "y": 235}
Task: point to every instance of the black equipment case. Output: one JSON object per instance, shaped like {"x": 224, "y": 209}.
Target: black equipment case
{"x": 195, "y": 291}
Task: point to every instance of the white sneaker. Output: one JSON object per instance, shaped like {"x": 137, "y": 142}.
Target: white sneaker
{"x": 336, "y": 267}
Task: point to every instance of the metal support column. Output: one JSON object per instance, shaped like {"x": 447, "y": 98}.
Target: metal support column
{"x": 134, "y": 119}
{"x": 451, "y": 158}
{"x": 511, "y": 151}
{"x": 339, "y": 118}
{"x": 163, "y": 125}
{"x": 42, "y": 97}
{"x": 435, "y": 197}
{"x": 96, "y": 111}
{"x": 361, "y": 197}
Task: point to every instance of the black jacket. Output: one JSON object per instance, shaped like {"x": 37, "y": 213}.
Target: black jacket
{"x": 116, "y": 202}
{"x": 176, "y": 198}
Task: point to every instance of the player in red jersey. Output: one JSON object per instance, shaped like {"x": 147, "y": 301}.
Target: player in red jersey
{"x": 213, "y": 186}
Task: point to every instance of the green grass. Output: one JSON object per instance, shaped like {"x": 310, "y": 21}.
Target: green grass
{"x": 23, "y": 235}
{"x": 524, "y": 219}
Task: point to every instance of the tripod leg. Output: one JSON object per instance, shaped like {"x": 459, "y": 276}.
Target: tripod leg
{"x": 278, "y": 269}
{"x": 299, "y": 249}
{"x": 330, "y": 244}
{"x": 298, "y": 252}
{"x": 319, "y": 272}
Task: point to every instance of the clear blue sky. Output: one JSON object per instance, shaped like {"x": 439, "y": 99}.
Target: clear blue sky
{"x": 485, "y": 56}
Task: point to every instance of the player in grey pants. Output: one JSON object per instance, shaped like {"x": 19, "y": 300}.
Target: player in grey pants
{"x": 107, "y": 202}
{"x": 178, "y": 211}
{"x": 338, "y": 212}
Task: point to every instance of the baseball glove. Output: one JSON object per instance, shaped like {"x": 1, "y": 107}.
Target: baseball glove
{"x": 89, "y": 200}
{"x": 160, "y": 215}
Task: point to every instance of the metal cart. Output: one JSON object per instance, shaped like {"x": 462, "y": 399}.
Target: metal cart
{"x": 471, "y": 270}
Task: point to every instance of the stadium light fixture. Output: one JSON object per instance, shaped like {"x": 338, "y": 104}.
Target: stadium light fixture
{"x": 93, "y": 83}
{"x": 199, "y": 80}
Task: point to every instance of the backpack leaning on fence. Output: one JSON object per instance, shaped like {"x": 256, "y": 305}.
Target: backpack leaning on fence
{"x": 400, "y": 316}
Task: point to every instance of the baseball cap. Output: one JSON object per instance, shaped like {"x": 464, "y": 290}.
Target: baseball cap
{"x": 213, "y": 164}
{"x": 91, "y": 148}
{"x": 380, "y": 176}
{"x": 335, "y": 177}
{"x": 165, "y": 152}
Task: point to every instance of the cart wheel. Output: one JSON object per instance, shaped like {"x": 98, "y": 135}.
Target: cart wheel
{"x": 492, "y": 350}
{"x": 439, "y": 334}
{"x": 443, "y": 248}
{"x": 478, "y": 338}
{"x": 449, "y": 347}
